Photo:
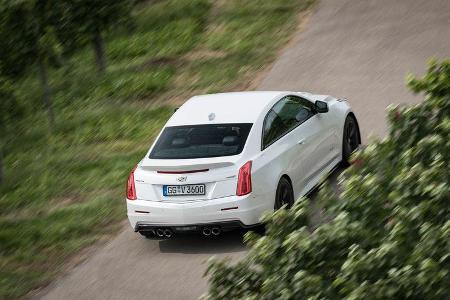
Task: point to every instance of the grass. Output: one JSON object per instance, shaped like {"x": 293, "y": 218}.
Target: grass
{"x": 65, "y": 191}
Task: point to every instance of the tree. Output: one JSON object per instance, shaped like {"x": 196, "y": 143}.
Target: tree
{"x": 27, "y": 38}
{"x": 390, "y": 234}
{"x": 85, "y": 21}
{"x": 10, "y": 110}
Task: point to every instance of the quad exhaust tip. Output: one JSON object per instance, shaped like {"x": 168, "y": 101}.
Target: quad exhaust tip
{"x": 207, "y": 231}
{"x": 216, "y": 231}
{"x": 160, "y": 232}
{"x": 167, "y": 233}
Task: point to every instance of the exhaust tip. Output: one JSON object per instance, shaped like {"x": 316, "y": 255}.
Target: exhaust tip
{"x": 159, "y": 232}
{"x": 168, "y": 233}
{"x": 206, "y": 231}
{"x": 216, "y": 231}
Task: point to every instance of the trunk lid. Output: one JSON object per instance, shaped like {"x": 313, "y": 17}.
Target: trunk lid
{"x": 219, "y": 175}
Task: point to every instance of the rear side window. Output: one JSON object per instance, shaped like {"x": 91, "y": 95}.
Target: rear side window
{"x": 201, "y": 141}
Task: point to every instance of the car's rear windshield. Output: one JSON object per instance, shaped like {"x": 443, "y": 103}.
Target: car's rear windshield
{"x": 200, "y": 141}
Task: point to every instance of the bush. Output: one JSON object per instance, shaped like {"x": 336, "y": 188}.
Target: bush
{"x": 389, "y": 237}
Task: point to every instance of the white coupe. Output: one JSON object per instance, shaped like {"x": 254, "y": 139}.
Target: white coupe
{"x": 223, "y": 159}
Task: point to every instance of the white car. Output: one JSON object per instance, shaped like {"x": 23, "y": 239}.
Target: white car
{"x": 223, "y": 159}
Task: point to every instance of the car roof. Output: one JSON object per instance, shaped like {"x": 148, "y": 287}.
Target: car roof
{"x": 235, "y": 107}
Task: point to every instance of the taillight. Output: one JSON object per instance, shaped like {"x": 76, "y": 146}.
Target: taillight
{"x": 244, "y": 185}
{"x": 131, "y": 188}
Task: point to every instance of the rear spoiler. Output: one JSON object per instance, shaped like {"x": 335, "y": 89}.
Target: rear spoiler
{"x": 176, "y": 166}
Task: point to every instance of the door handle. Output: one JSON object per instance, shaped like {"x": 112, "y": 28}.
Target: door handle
{"x": 301, "y": 142}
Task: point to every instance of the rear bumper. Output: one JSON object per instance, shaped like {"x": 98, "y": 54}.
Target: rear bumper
{"x": 224, "y": 226}
{"x": 238, "y": 211}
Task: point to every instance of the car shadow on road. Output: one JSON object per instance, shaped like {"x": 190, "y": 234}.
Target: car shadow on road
{"x": 227, "y": 242}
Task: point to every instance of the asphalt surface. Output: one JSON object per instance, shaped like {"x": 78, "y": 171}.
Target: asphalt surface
{"x": 360, "y": 50}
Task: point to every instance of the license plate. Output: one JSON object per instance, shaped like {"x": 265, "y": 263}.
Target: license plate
{"x": 184, "y": 190}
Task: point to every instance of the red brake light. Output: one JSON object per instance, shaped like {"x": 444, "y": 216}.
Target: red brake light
{"x": 244, "y": 185}
{"x": 131, "y": 188}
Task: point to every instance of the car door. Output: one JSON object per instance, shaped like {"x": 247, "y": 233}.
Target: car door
{"x": 285, "y": 144}
{"x": 316, "y": 143}
{"x": 306, "y": 153}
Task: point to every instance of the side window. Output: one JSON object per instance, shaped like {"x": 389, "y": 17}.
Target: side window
{"x": 284, "y": 116}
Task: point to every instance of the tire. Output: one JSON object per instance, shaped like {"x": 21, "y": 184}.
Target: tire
{"x": 284, "y": 194}
{"x": 350, "y": 139}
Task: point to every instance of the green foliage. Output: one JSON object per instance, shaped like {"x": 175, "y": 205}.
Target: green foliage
{"x": 390, "y": 234}
{"x": 28, "y": 39}
{"x": 26, "y": 35}
{"x": 9, "y": 106}
{"x": 78, "y": 21}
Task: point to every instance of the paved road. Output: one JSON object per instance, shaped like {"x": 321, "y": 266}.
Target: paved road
{"x": 361, "y": 50}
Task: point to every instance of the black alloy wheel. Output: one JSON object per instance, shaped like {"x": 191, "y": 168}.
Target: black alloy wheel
{"x": 284, "y": 194}
{"x": 351, "y": 140}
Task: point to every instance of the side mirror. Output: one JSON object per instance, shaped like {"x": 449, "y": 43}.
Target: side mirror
{"x": 321, "y": 107}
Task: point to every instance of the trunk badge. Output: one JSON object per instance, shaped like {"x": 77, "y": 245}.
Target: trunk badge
{"x": 182, "y": 178}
